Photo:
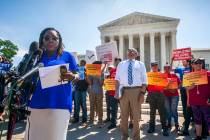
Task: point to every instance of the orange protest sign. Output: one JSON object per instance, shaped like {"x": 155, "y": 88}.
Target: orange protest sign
{"x": 110, "y": 83}
{"x": 195, "y": 78}
{"x": 93, "y": 69}
{"x": 157, "y": 78}
{"x": 172, "y": 83}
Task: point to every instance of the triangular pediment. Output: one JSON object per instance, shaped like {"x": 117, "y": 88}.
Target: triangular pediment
{"x": 137, "y": 18}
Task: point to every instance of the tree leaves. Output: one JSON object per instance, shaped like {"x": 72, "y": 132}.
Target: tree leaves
{"x": 8, "y": 49}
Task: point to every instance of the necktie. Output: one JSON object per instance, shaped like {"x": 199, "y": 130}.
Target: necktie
{"x": 130, "y": 73}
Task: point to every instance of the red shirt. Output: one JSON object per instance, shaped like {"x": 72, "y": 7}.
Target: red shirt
{"x": 154, "y": 89}
{"x": 175, "y": 91}
{"x": 112, "y": 75}
{"x": 200, "y": 94}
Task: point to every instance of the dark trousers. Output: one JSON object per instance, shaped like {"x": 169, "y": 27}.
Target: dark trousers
{"x": 189, "y": 115}
{"x": 157, "y": 101}
{"x": 107, "y": 106}
{"x": 80, "y": 100}
{"x": 113, "y": 108}
{"x": 184, "y": 101}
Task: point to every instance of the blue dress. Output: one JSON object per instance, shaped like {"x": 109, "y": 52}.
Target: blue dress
{"x": 58, "y": 97}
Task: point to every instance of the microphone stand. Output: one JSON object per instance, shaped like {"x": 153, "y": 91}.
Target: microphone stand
{"x": 12, "y": 102}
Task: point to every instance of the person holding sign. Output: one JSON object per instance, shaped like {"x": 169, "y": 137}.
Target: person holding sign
{"x": 50, "y": 107}
{"x": 156, "y": 100}
{"x": 198, "y": 100}
{"x": 171, "y": 97}
{"x": 96, "y": 95}
{"x": 80, "y": 94}
{"x": 113, "y": 102}
{"x": 131, "y": 81}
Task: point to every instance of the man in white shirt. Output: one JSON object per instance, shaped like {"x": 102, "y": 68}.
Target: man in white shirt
{"x": 131, "y": 81}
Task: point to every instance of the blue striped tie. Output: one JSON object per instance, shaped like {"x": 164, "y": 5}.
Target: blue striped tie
{"x": 130, "y": 73}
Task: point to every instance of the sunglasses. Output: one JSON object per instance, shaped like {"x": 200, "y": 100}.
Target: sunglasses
{"x": 48, "y": 38}
{"x": 198, "y": 63}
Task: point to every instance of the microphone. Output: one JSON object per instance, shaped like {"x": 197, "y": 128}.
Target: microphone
{"x": 37, "y": 56}
{"x": 31, "y": 72}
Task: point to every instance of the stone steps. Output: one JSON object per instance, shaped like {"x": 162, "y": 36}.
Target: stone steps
{"x": 145, "y": 109}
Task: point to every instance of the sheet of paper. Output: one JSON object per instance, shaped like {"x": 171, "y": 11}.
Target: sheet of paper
{"x": 50, "y": 76}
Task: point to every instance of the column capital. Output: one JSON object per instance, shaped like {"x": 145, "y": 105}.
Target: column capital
{"x": 162, "y": 33}
{"x": 152, "y": 34}
{"x": 130, "y": 35}
{"x": 141, "y": 34}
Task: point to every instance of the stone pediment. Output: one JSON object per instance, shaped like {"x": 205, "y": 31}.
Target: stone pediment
{"x": 137, "y": 18}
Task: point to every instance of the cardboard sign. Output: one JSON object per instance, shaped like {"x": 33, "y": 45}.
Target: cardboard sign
{"x": 157, "y": 78}
{"x": 195, "y": 78}
{"x": 182, "y": 54}
{"x": 107, "y": 52}
{"x": 173, "y": 83}
{"x": 109, "y": 83}
{"x": 93, "y": 69}
{"x": 90, "y": 57}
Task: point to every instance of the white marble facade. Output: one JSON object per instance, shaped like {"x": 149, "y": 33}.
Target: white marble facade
{"x": 153, "y": 36}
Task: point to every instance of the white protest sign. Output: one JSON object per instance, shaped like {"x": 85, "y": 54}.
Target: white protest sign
{"x": 107, "y": 52}
{"x": 90, "y": 57}
{"x": 50, "y": 76}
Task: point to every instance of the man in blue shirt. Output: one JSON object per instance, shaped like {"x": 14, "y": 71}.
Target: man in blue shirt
{"x": 186, "y": 110}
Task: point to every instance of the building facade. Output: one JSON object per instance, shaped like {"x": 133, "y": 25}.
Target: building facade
{"x": 202, "y": 53}
{"x": 153, "y": 36}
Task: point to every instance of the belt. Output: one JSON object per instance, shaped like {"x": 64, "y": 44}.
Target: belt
{"x": 132, "y": 87}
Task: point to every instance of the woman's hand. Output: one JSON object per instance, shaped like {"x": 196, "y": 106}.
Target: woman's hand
{"x": 68, "y": 76}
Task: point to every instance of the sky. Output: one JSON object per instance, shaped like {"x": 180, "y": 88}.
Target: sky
{"x": 21, "y": 21}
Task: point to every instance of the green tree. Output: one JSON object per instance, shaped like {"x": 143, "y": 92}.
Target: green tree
{"x": 8, "y": 49}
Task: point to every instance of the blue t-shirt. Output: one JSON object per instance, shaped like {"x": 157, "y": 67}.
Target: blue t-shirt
{"x": 58, "y": 97}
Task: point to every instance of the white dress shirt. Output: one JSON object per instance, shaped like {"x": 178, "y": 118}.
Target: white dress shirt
{"x": 138, "y": 73}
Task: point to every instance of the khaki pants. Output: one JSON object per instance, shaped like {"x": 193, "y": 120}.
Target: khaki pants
{"x": 129, "y": 103}
{"x": 96, "y": 104}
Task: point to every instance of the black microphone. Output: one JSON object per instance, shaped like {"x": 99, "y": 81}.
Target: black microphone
{"x": 28, "y": 60}
{"x": 31, "y": 72}
{"x": 36, "y": 57}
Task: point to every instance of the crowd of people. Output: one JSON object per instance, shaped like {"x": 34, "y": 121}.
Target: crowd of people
{"x": 50, "y": 107}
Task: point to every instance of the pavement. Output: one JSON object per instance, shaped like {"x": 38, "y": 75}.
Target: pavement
{"x": 77, "y": 131}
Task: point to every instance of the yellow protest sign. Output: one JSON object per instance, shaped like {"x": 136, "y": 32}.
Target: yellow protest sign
{"x": 157, "y": 78}
{"x": 110, "y": 83}
{"x": 195, "y": 78}
{"x": 93, "y": 69}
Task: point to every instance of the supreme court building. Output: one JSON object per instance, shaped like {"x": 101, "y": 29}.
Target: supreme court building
{"x": 153, "y": 36}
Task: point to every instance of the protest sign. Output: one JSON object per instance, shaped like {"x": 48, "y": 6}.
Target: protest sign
{"x": 93, "y": 69}
{"x": 157, "y": 78}
{"x": 90, "y": 57}
{"x": 107, "y": 52}
{"x": 110, "y": 83}
{"x": 195, "y": 78}
{"x": 182, "y": 54}
{"x": 173, "y": 83}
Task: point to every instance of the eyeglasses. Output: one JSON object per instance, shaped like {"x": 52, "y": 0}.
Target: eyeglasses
{"x": 47, "y": 38}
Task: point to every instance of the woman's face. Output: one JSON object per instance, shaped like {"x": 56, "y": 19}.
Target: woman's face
{"x": 51, "y": 40}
